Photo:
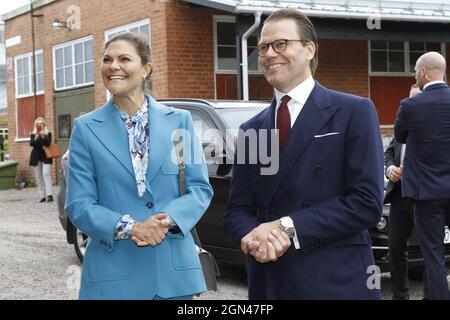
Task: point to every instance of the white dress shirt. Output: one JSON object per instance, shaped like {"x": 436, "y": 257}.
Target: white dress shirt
{"x": 298, "y": 95}
{"x": 431, "y": 83}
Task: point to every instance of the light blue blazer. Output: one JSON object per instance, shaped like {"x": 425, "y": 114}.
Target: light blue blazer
{"x": 102, "y": 188}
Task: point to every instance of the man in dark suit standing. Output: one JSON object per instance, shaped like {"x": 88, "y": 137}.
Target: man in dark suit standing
{"x": 401, "y": 219}
{"x": 328, "y": 188}
{"x": 423, "y": 123}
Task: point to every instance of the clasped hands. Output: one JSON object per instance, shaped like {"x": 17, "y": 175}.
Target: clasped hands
{"x": 152, "y": 231}
{"x": 266, "y": 243}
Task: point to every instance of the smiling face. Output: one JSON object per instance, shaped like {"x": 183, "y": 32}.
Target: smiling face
{"x": 287, "y": 69}
{"x": 122, "y": 69}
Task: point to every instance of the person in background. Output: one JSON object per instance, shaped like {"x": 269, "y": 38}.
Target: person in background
{"x": 40, "y": 137}
{"x": 401, "y": 218}
{"x": 123, "y": 187}
{"x": 423, "y": 123}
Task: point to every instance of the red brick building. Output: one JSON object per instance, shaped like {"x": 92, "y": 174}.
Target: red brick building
{"x": 197, "y": 52}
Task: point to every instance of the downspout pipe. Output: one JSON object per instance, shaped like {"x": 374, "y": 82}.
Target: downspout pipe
{"x": 245, "y": 54}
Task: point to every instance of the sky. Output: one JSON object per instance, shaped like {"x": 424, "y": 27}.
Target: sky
{"x": 8, "y": 5}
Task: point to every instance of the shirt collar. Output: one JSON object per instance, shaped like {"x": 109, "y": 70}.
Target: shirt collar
{"x": 300, "y": 93}
{"x": 141, "y": 111}
{"x": 431, "y": 83}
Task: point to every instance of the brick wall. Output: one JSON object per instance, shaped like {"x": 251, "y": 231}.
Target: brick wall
{"x": 95, "y": 19}
{"x": 343, "y": 66}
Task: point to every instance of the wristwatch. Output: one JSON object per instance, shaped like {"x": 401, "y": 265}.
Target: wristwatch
{"x": 287, "y": 225}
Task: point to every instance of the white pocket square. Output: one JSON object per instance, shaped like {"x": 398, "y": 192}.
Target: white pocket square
{"x": 326, "y": 134}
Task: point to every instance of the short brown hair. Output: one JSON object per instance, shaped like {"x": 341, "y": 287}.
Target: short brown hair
{"x": 305, "y": 29}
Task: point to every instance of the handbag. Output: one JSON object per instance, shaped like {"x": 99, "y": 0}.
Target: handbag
{"x": 209, "y": 265}
{"x": 52, "y": 151}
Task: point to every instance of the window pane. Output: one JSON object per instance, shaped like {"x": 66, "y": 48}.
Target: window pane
{"x": 88, "y": 50}
{"x": 58, "y": 58}
{"x": 226, "y": 33}
{"x": 378, "y": 45}
{"x": 68, "y": 76}
{"x": 88, "y": 72}
{"x": 416, "y": 46}
{"x": 395, "y": 45}
{"x": 433, "y": 46}
{"x": 25, "y": 67}
{"x": 379, "y": 61}
{"x": 413, "y": 56}
{"x": 40, "y": 81}
{"x": 252, "y": 59}
{"x": 60, "y": 78}
{"x": 26, "y": 85}
{"x": 19, "y": 67}
{"x": 227, "y": 58}
{"x": 144, "y": 30}
{"x": 40, "y": 63}
{"x": 79, "y": 74}
{"x": 79, "y": 53}
{"x": 68, "y": 56}
{"x": 396, "y": 62}
{"x": 19, "y": 86}
{"x": 252, "y": 41}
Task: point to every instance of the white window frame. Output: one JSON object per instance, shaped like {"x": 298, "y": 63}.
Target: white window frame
{"x": 406, "y": 52}
{"x": 128, "y": 27}
{"x": 72, "y": 45}
{"x": 29, "y": 56}
{"x": 226, "y": 19}
{"x": 125, "y": 28}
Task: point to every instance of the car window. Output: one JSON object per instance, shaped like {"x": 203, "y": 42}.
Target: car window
{"x": 234, "y": 117}
{"x": 203, "y": 124}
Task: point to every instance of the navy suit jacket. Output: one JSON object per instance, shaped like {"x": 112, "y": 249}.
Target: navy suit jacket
{"x": 330, "y": 181}
{"x": 423, "y": 123}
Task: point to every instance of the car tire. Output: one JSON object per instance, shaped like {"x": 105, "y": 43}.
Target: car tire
{"x": 80, "y": 243}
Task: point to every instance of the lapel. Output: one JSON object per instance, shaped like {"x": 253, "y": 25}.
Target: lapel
{"x": 315, "y": 114}
{"x": 108, "y": 127}
{"x": 162, "y": 128}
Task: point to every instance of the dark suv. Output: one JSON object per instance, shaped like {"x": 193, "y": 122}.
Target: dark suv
{"x": 223, "y": 115}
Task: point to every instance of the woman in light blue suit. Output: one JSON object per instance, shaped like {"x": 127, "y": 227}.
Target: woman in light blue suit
{"x": 123, "y": 189}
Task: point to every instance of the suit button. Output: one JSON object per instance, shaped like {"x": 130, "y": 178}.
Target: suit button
{"x": 306, "y": 204}
{"x": 318, "y": 170}
{"x": 149, "y": 205}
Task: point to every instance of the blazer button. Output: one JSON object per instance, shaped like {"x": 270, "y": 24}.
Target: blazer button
{"x": 306, "y": 205}
{"x": 149, "y": 205}
{"x": 318, "y": 170}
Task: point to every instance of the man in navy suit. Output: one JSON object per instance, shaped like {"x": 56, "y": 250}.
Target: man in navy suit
{"x": 423, "y": 123}
{"x": 328, "y": 189}
{"x": 401, "y": 218}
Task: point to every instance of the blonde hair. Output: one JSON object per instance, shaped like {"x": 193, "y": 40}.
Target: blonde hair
{"x": 40, "y": 119}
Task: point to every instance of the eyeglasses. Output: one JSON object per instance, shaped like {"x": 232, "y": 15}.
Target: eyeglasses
{"x": 278, "y": 46}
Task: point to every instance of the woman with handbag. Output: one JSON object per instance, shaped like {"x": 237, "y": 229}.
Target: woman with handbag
{"x": 123, "y": 190}
{"x": 40, "y": 138}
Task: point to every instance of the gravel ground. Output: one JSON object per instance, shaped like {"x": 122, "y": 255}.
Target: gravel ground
{"x": 38, "y": 263}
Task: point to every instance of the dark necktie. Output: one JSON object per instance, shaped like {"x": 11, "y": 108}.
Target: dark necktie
{"x": 283, "y": 122}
